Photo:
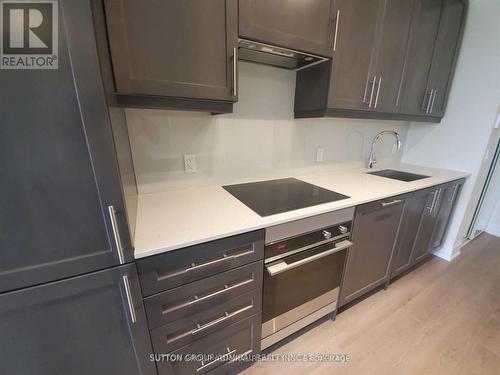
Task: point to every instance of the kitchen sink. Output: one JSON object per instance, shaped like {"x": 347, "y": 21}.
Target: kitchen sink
{"x": 398, "y": 175}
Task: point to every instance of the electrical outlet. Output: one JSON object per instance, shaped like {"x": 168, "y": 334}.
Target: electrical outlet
{"x": 190, "y": 163}
{"x": 320, "y": 153}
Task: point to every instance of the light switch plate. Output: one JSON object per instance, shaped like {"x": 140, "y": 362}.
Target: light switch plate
{"x": 190, "y": 163}
{"x": 320, "y": 153}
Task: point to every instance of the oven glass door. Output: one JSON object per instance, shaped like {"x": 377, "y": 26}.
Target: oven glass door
{"x": 301, "y": 277}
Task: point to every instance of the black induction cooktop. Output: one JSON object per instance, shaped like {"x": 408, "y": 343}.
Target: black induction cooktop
{"x": 276, "y": 196}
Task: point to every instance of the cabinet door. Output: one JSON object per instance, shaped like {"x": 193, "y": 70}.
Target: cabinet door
{"x": 446, "y": 203}
{"x": 391, "y": 49}
{"x": 408, "y": 232}
{"x": 445, "y": 54}
{"x": 59, "y": 173}
{"x": 415, "y": 98}
{"x": 374, "y": 234}
{"x": 351, "y": 74}
{"x": 82, "y": 325}
{"x": 427, "y": 223}
{"x": 183, "y": 49}
{"x": 300, "y": 25}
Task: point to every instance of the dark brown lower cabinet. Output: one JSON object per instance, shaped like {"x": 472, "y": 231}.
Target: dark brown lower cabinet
{"x": 448, "y": 198}
{"x": 91, "y": 324}
{"x": 424, "y": 225}
{"x": 376, "y": 226}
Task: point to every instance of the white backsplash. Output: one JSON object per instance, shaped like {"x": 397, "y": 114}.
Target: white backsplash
{"x": 260, "y": 140}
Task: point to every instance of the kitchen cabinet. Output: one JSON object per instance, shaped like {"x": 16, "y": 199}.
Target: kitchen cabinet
{"x": 62, "y": 179}
{"x": 447, "y": 201}
{"x": 393, "y": 60}
{"x": 445, "y": 55}
{"x": 182, "y": 51}
{"x": 421, "y": 247}
{"x": 423, "y": 34}
{"x": 424, "y": 225}
{"x": 410, "y": 224}
{"x": 91, "y": 324}
{"x": 205, "y": 299}
{"x": 307, "y": 26}
{"x": 376, "y": 226}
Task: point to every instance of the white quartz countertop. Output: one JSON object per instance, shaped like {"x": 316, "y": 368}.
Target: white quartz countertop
{"x": 174, "y": 219}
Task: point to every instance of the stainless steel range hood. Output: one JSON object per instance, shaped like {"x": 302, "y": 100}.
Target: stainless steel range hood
{"x": 276, "y": 56}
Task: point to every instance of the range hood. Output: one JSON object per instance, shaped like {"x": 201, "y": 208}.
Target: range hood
{"x": 276, "y": 56}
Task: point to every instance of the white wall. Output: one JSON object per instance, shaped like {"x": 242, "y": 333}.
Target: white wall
{"x": 259, "y": 140}
{"x": 461, "y": 138}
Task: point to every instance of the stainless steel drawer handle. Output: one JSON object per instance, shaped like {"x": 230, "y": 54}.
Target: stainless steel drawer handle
{"x": 337, "y": 21}
{"x": 221, "y": 319}
{"x": 218, "y": 359}
{"x": 116, "y": 234}
{"x": 395, "y": 201}
{"x": 453, "y": 196}
{"x": 224, "y": 258}
{"x": 435, "y": 201}
{"x": 203, "y": 327}
{"x": 130, "y": 302}
{"x": 168, "y": 275}
{"x": 208, "y": 296}
{"x": 277, "y": 268}
{"x": 432, "y": 101}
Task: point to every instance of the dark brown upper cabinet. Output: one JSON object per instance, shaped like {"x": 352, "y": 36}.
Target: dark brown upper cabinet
{"x": 302, "y": 25}
{"x": 394, "y": 59}
{"x": 433, "y": 48}
{"x": 445, "y": 54}
{"x": 423, "y": 36}
{"x": 179, "y": 54}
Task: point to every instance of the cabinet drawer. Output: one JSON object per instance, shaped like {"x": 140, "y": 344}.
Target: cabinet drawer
{"x": 191, "y": 328}
{"x": 186, "y": 300}
{"x": 166, "y": 271}
{"x": 217, "y": 350}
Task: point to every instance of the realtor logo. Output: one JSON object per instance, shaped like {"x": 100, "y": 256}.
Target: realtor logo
{"x": 29, "y": 34}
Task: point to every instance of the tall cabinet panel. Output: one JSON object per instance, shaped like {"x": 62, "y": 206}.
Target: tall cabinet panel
{"x": 91, "y": 324}
{"x": 60, "y": 181}
{"x": 171, "y": 48}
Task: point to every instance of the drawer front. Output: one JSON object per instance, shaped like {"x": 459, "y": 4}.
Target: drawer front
{"x": 191, "y": 328}
{"x": 186, "y": 300}
{"x": 218, "y": 350}
{"x": 166, "y": 271}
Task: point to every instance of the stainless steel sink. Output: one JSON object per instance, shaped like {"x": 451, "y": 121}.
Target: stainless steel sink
{"x": 398, "y": 175}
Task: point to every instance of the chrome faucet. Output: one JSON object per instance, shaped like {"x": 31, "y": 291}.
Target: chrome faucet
{"x": 372, "y": 161}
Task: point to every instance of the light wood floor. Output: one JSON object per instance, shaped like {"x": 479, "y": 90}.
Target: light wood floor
{"x": 442, "y": 318}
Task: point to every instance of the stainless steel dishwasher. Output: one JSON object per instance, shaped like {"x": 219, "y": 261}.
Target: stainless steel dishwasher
{"x": 304, "y": 264}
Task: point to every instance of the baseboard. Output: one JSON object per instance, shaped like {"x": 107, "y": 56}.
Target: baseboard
{"x": 450, "y": 253}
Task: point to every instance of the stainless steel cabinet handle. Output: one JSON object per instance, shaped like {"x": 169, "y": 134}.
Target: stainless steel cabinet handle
{"x": 426, "y": 103}
{"x": 219, "y": 359}
{"x": 337, "y": 21}
{"x": 436, "y": 201}
{"x": 432, "y": 101}
{"x": 395, "y": 201}
{"x": 372, "y": 91}
{"x": 130, "y": 302}
{"x": 116, "y": 233}
{"x": 208, "y": 296}
{"x": 455, "y": 189}
{"x": 434, "y": 196}
{"x": 235, "y": 71}
{"x": 378, "y": 91}
{"x": 194, "y": 267}
{"x": 221, "y": 319}
{"x": 282, "y": 266}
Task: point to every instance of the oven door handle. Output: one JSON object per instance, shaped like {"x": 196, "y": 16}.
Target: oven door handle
{"x": 282, "y": 266}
